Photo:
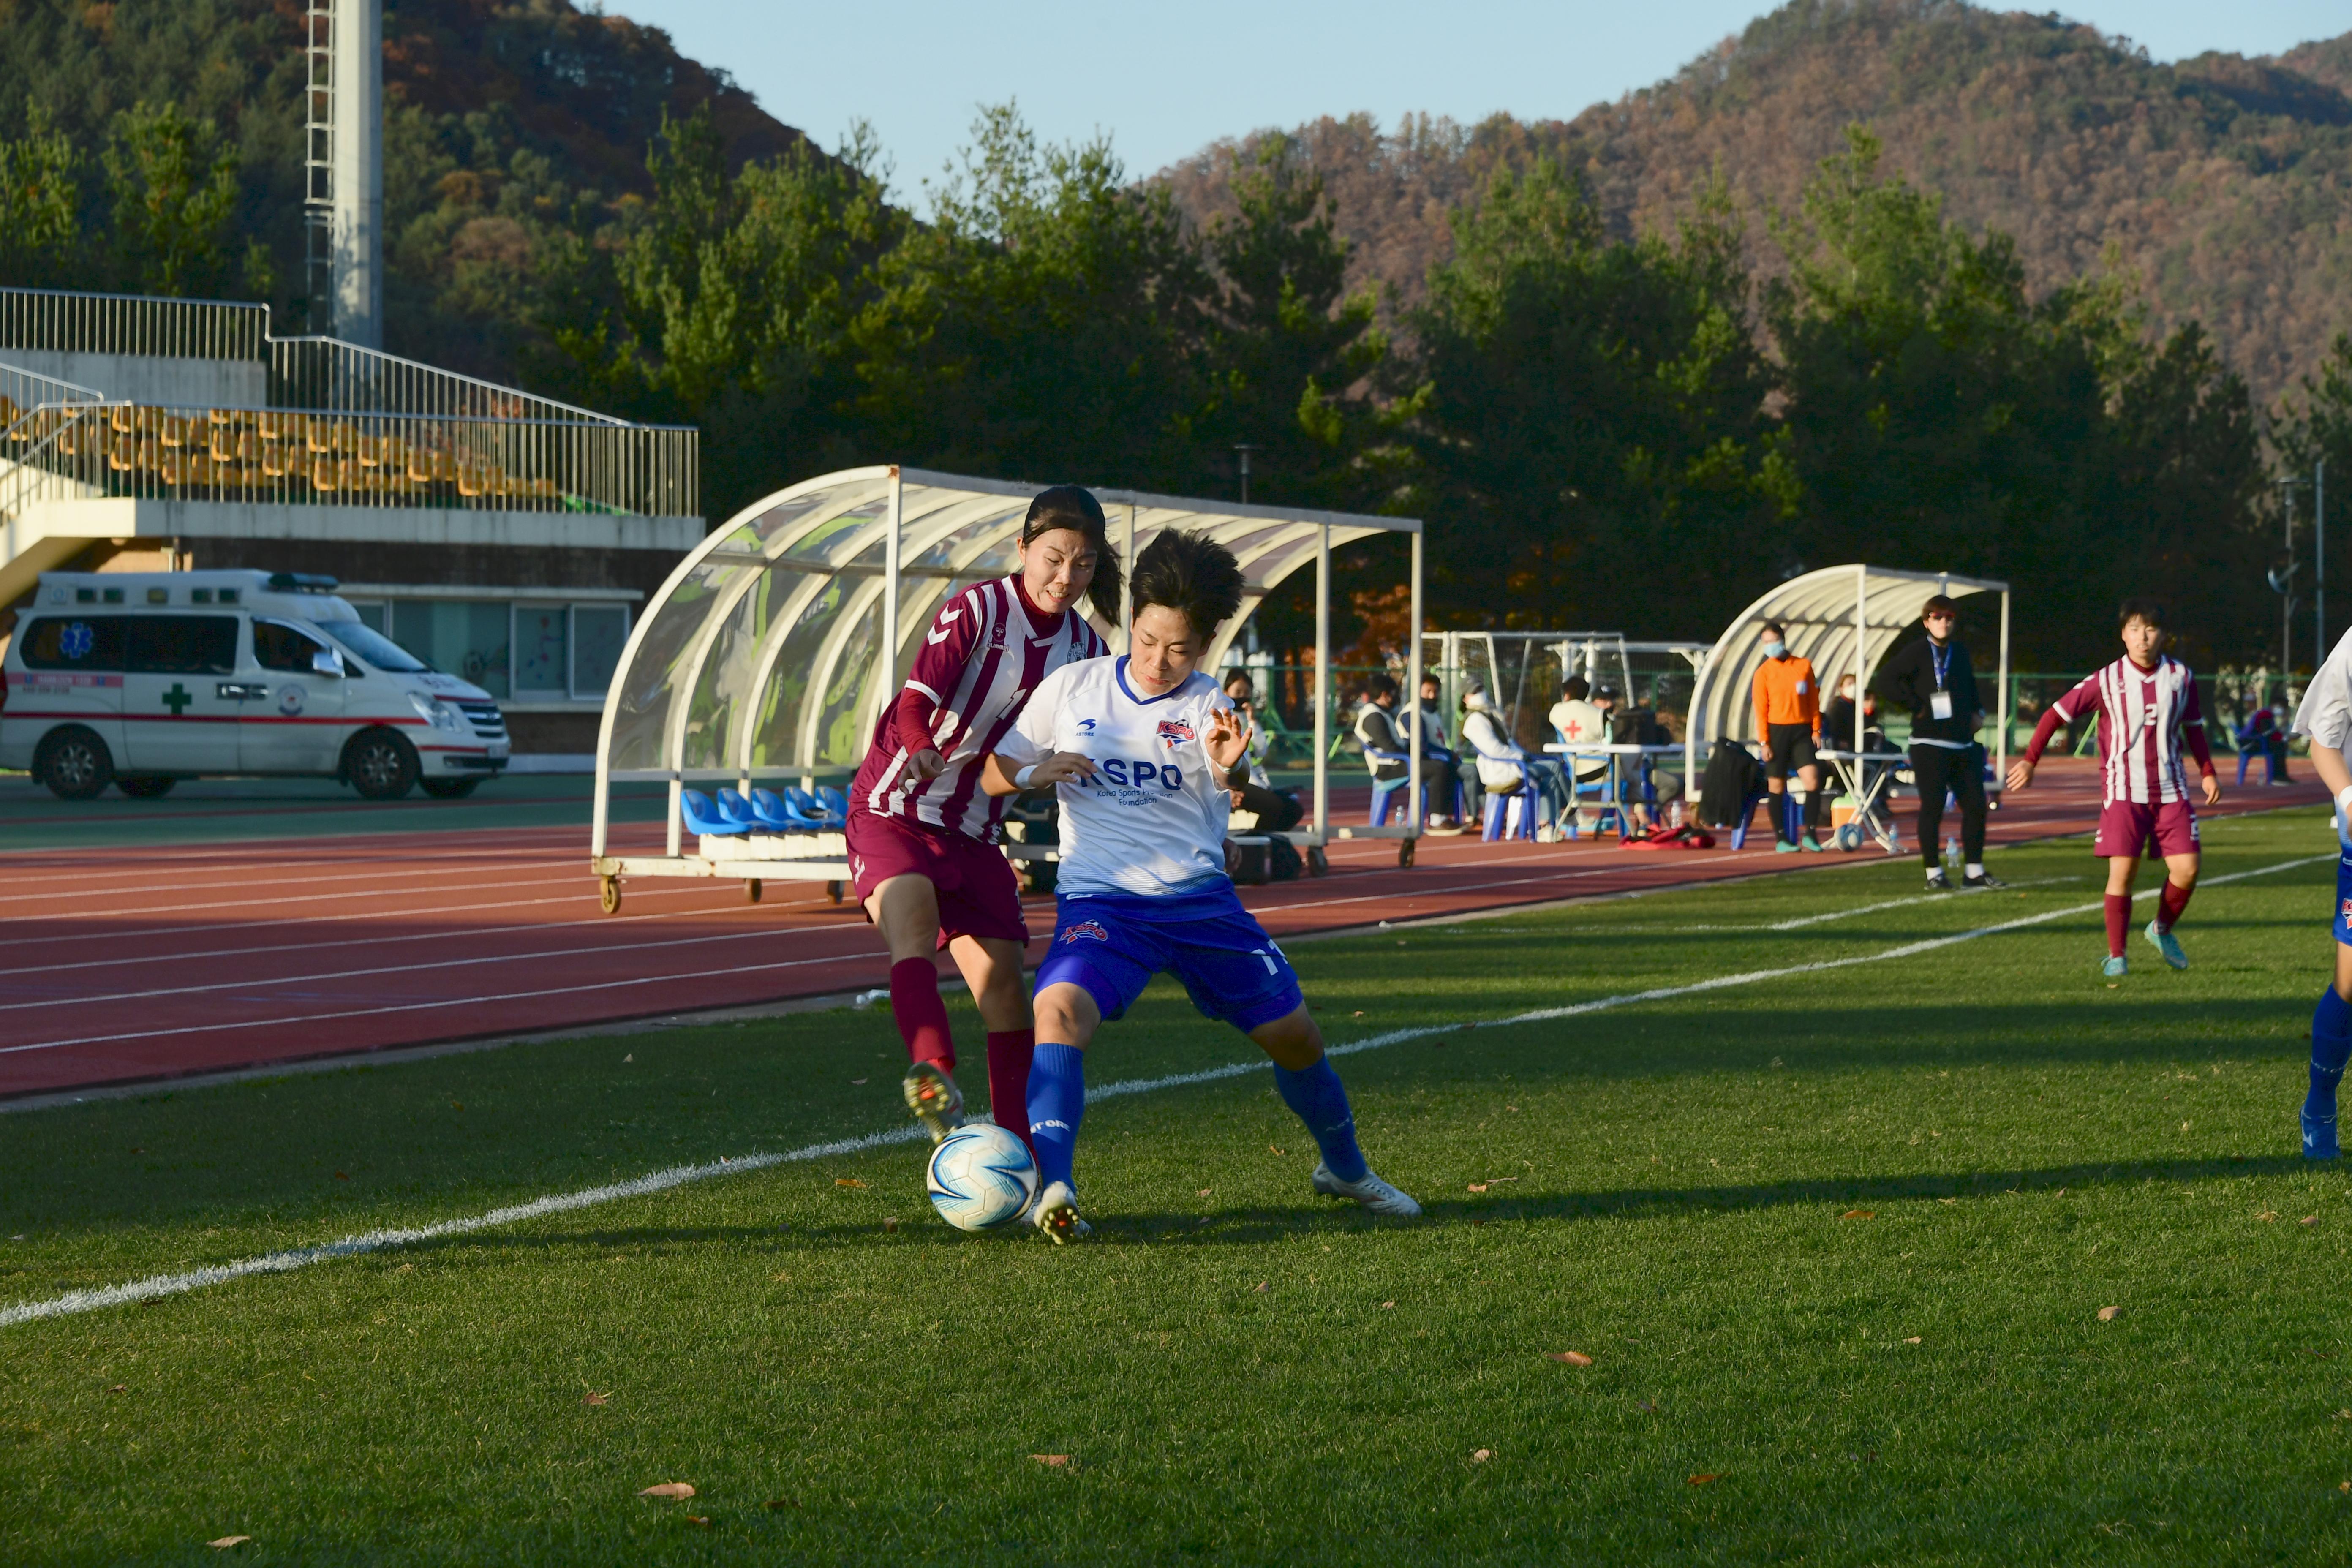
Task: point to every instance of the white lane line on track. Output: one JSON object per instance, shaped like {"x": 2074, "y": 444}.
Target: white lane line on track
{"x": 157, "y": 1285}
{"x": 238, "y": 904}
{"x": 616, "y": 949}
{"x": 269, "y": 872}
{"x": 427, "y": 1006}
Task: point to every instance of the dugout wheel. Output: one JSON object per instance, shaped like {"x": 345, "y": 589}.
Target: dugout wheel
{"x": 833, "y": 891}
{"x": 1404, "y": 854}
{"x": 608, "y": 894}
{"x": 1317, "y": 863}
{"x": 751, "y": 891}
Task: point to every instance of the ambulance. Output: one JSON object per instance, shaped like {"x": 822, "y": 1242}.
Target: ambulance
{"x": 142, "y": 678}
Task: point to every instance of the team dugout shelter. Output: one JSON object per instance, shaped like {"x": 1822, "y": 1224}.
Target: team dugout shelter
{"x": 767, "y": 656}
{"x": 1844, "y": 619}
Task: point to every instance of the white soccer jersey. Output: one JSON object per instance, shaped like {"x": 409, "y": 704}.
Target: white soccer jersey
{"x": 1152, "y": 819}
{"x": 2326, "y": 715}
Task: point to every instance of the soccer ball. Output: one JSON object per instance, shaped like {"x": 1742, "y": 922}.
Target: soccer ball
{"x": 981, "y": 1177}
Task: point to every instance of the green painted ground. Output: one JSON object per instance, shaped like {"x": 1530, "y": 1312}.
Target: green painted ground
{"x": 1838, "y": 1241}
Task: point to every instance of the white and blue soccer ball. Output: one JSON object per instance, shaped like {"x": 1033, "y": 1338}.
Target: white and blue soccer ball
{"x": 981, "y": 1177}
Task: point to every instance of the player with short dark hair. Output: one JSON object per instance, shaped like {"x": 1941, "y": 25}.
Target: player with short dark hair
{"x": 1138, "y": 747}
{"x": 921, "y": 831}
{"x": 2147, "y": 709}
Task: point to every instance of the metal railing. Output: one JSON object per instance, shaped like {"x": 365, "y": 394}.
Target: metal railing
{"x": 61, "y": 322}
{"x": 24, "y": 391}
{"x": 282, "y": 457}
{"x": 328, "y": 373}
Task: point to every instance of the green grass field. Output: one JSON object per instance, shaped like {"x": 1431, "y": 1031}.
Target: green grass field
{"x": 1836, "y": 1243}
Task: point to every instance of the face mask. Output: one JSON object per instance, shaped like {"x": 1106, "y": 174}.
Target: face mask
{"x": 1775, "y": 649}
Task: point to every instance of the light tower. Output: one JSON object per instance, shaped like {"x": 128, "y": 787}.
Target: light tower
{"x": 342, "y": 159}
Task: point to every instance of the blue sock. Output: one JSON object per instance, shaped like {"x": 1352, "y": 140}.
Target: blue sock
{"x": 1316, "y": 1095}
{"x": 1057, "y": 1099}
{"x": 2331, "y": 1046}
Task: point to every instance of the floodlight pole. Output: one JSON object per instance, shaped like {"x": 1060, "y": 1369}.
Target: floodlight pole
{"x": 890, "y": 587}
{"x": 1861, "y": 656}
{"x": 2286, "y": 593}
{"x": 1245, "y": 448}
{"x": 1323, "y": 682}
{"x": 2000, "y": 704}
{"x": 2319, "y": 564}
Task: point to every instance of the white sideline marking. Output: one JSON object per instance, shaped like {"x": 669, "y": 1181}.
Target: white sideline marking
{"x": 156, "y": 1285}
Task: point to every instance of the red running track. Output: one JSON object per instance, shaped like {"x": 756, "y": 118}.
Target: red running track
{"x": 120, "y": 966}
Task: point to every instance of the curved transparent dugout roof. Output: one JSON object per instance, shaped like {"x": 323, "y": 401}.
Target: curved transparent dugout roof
{"x": 764, "y": 651}
{"x": 1825, "y": 615}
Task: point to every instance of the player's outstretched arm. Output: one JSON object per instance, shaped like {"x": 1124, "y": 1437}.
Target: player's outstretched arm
{"x": 1002, "y": 775}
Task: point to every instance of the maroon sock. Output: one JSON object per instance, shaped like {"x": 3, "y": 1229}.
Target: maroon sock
{"x": 921, "y": 1016}
{"x": 2118, "y": 922}
{"x": 2171, "y": 902}
{"x": 1009, "y": 1051}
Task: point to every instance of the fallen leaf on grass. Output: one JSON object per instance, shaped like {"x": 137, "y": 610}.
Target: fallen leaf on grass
{"x": 1360, "y": 1012}
{"x": 847, "y": 1182}
{"x": 1053, "y": 1461}
{"x": 1858, "y": 1214}
{"x": 701, "y": 1519}
{"x": 2344, "y": 1416}
{"x": 1569, "y": 1358}
{"x": 2109, "y": 1314}
{"x": 340, "y": 1177}
{"x": 1702, "y": 1480}
{"x": 2308, "y": 1219}
{"x": 405, "y": 1268}
{"x": 856, "y": 1082}
{"x": 670, "y": 1489}
{"x": 120, "y": 1388}
{"x": 2319, "y": 1355}
{"x": 1262, "y": 1287}
{"x": 595, "y": 1398}
{"x": 2267, "y": 1214}
{"x": 1480, "y": 1456}
{"x": 1912, "y": 1340}
{"x": 1477, "y": 1186}
{"x": 1646, "y": 1407}
{"x": 1204, "y": 1192}
{"x": 228, "y": 1541}
{"x": 889, "y": 1224}
{"x": 630, "y": 1058}
{"x": 1948, "y": 1200}
{"x": 457, "y": 1105}
{"x": 1272, "y": 1149}
{"x": 1386, "y": 1305}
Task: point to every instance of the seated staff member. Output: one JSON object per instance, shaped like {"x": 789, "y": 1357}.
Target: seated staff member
{"x": 1787, "y": 717}
{"x": 1138, "y": 749}
{"x": 1276, "y": 811}
{"x": 921, "y": 831}
{"x": 1934, "y": 679}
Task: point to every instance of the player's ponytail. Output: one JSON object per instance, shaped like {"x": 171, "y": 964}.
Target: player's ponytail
{"x": 1074, "y": 507}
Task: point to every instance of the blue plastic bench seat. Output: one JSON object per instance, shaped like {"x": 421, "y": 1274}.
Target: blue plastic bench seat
{"x": 704, "y": 817}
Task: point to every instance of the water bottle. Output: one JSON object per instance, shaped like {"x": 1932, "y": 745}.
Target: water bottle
{"x": 1951, "y": 854}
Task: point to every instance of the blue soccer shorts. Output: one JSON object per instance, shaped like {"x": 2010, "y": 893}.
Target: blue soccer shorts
{"x": 1113, "y": 944}
{"x": 2344, "y": 895}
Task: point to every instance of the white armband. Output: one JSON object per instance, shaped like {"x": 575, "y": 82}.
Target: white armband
{"x": 1021, "y": 780}
{"x": 2344, "y": 802}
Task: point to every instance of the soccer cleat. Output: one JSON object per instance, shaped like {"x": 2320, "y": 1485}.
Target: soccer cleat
{"x": 1983, "y": 881}
{"x": 1784, "y": 848}
{"x": 2318, "y": 1136}
{"x": 1371, "y": 1191}
{"x": 933, "y": 1097}
{"x": 2164, "y": 943}
{"x": 1938, "y": 883}
{"x": 1056, "y": 1213}
{"x": 2114, "y": 967}
{"x": 1813, "y": 844}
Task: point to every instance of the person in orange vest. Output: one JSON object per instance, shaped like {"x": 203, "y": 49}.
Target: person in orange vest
{"x": 1788, "y": 721}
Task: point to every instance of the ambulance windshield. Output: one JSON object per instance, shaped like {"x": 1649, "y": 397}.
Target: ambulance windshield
{"x": 373, "y": 647}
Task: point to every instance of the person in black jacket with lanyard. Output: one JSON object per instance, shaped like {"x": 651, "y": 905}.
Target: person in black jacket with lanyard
{"x": 1932, "y": 678}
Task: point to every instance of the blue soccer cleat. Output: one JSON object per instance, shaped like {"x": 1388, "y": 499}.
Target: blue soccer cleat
{"x": 2318, "y": 1136}
{"x": 2164, "y": 943}
{"x": 2116, "y": 967}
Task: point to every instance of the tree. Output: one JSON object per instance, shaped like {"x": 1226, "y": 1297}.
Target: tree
{"x": 40, "y": 202}
{"x": 173, "y": 187}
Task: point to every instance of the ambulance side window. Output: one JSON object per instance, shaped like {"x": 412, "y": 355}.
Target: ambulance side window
{"x": 181, "y": 645}
{"x": 74, "y": 642}
{"x": 281, "y": 648}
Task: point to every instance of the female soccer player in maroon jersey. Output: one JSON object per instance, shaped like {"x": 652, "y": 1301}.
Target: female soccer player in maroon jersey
{"x": 922, "y": 832}
{"x": 2147, "y": 709}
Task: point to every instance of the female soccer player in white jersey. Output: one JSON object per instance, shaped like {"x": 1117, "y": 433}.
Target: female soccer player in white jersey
{"x": 922, "y": 832}
{"x": 2326, "y": 718}
{"x": 2147, "y": 703}
{"x": 1138, "y": 747}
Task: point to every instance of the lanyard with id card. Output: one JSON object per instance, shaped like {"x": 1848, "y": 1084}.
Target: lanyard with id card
{"x": 1939, "y": 702}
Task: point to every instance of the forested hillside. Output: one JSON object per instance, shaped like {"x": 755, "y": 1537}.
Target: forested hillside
{"x": 1840, "y": 291}
{"x": 2221, "y": 182}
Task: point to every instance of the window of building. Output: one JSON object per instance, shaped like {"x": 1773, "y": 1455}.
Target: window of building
{"x": 598, "y": 634}
{"x": 468, "y": 638}
{"x": 528, "y": 651}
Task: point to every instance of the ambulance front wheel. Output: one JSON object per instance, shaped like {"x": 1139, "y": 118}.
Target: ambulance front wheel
{"x": 380, "y": 765}
{"x": 608, "y": 894}
{"x": 833, "y": 891}
{"x": 74, "y": 762}
{"x": 751, "y": 891}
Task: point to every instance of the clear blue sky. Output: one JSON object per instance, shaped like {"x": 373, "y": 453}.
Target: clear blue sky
{"x": 1166, "y": 80}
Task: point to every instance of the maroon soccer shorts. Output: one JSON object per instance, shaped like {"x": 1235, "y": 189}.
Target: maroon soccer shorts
{"x": 978, "y": 893}
{"x": 2126, "y": 825}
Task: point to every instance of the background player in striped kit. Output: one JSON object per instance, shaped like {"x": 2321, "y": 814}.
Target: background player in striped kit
{"x": 921, "y": 831}
{"x": 2325, "y": 717}
{"x": 2148, "y": 707}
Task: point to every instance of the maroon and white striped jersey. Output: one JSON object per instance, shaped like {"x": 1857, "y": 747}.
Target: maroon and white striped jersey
{"x": 2145, "y": 717}
{"x": 987, "y": 650}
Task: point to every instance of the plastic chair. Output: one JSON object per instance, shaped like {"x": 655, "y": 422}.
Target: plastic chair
{"x": 734, "y": 808}
{"x": 702, "y": 816}
{"x": 1746, "y": 817}
{"x": 836, "y": 804}
{"x": 1384, "y": 791}
{"x": 826, "y": 809}
{"x": 778, "y": 814}
{"x": 1500, "y": 814}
